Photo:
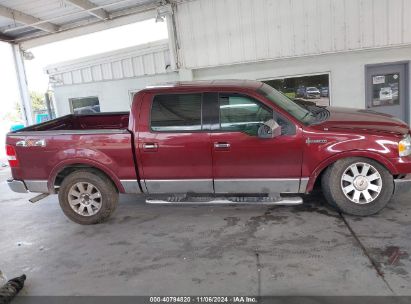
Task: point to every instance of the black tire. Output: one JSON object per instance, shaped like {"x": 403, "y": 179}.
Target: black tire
{"x": 333, "y": 192}
{"x": 109, "y": 196}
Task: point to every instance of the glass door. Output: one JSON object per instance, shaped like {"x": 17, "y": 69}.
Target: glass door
{"x": 387, "y": 89}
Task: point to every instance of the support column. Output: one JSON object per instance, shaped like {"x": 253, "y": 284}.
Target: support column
{"x": 172, "y": 36}
{"x": 25, "y": 102}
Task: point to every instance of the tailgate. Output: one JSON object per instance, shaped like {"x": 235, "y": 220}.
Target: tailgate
{"x": 32, "y": 156}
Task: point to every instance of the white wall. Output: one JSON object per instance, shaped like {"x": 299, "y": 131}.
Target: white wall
{"x": 347, "y": 71}
{"x": 146, "y": 59}
{"x": 111, "y": 76}
{"x": 347, "y": 77}
{"x": 236, "y": 31}
{"x": 253, "y": 39}
{"x": 113, "y": 95}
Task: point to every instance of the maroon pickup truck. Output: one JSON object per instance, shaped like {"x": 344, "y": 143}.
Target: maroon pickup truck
{"x": 221, "y": 138}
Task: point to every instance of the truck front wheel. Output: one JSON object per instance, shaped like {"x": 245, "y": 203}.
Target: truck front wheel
{"x": 358, "y": 186}
{"x": 87, "y": 197}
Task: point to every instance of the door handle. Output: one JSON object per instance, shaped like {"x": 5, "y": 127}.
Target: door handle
{"x": 150, "y": 146}
{"x": 221, "y": 145}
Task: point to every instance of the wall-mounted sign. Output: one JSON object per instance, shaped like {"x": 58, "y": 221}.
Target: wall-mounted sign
{"x": 378, "y": 79}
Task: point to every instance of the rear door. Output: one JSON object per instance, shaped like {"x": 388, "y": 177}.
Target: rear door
{"x": 174, "y": 147}
{"x": 246, "y": 163}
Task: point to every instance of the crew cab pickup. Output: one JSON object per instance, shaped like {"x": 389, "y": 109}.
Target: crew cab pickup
{"x": 214, "y": 137}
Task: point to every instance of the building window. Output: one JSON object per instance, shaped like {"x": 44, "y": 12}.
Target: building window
{"x": 307, "y": 90}
{"x": 176, "y": 112}
{"x": 85, "y": 105}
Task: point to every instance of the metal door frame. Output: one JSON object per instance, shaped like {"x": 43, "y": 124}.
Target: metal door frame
{"x": 406, "y": 64}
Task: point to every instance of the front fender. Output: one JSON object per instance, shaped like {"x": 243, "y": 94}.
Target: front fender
{"x": 353, "y": 153}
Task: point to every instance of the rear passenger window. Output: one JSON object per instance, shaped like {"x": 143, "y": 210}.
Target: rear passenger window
{"x": 176, "y": 112}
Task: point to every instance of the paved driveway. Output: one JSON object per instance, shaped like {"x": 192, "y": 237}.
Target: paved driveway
{"x": 191, "y": 250}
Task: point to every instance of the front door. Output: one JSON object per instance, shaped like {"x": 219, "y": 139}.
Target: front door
{"x": 246, "y": 163}
{"x": 174, "y": 149}
{"x": 387, "y": 88}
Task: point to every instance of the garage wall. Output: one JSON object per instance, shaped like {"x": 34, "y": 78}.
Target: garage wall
{"x": 111, "y": 76}
{"x": 347, "y": 71}
{"x": 147, "y": 59}
{"x": 259, "y": 39}
{"x": 113, "y": 95}
{"x": 234, "y": 31}
{"x": 347, "y": 79}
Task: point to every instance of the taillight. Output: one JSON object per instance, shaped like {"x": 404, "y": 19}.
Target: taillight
{"x": 11, "y": 156}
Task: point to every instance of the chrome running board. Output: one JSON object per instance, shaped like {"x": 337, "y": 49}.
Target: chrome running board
{"x": 38, "y": 197}
{"x": 238, "y": 200}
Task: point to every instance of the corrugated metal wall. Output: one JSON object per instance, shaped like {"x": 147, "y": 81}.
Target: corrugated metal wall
{"x": 137, "y": 61}
{"x": 235, "y": 31}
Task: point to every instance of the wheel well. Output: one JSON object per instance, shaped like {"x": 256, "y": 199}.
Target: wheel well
{"x": 71, "y": 168}
{"x": 317, "y": 183}
{"x": 321, "y": 173}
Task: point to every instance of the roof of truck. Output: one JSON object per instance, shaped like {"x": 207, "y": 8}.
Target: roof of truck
{"x": 230, "y": 83}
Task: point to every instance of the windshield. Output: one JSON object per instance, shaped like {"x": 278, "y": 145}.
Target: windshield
{"x": 287, "y": 104}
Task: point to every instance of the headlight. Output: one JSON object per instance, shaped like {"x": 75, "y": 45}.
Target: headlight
{"x": 404, "y": 146}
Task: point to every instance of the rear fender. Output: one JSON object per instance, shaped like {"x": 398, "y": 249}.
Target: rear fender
{"x": 86, "y": 162}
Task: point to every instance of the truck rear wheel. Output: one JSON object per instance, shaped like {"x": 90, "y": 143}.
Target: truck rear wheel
{"x": 88, "y": 197}
{"x": 358, "y": 186}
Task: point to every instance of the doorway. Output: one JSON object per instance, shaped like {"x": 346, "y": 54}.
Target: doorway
{"x": 387, "y": 89}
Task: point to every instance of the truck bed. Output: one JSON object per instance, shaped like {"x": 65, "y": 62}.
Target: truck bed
{"x": 102, "y": 141}
{"x": 72, "y": 122}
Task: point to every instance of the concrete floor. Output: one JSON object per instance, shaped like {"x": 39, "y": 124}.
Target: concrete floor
{"x": 191, "y": 250}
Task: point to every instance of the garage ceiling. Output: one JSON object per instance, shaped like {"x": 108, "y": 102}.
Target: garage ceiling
{"x": 22, "y": 20}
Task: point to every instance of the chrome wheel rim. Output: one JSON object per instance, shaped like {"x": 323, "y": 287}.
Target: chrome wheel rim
{"x": 361, "y": 183}
{"x": 85, "y": 198}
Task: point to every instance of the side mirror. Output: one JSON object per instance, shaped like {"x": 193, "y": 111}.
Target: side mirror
{"x": 269, "y": 129}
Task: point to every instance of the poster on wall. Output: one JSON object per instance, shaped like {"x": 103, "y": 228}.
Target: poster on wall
{"x": 385, "y": 90}
{"x": 378, "y": 79}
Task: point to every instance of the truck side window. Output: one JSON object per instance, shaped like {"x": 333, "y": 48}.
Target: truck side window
{"x": 176, "y": 112}
{"x": 287, "y": 127}
{"x": 245, "y": 114}
{"x": 242, "y": 113}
